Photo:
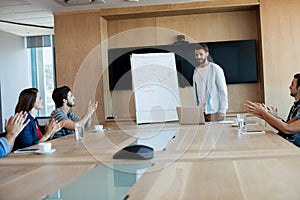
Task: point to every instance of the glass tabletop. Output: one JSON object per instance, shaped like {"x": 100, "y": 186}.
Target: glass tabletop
{"x": 102, "y": 182}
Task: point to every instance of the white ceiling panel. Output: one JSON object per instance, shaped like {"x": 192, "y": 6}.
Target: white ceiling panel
{"x": 19, "y": 9}
{"x": 25, "y": 30}
{"x": 40, "y": 12}
{"x": 32, "y": 14}
{"x": 11, "y": 3}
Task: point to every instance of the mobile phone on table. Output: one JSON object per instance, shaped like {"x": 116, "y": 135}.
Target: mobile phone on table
{"x": 25, "y": 150}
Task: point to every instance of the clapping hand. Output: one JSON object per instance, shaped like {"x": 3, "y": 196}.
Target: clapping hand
{"x": 255, "y": 108}
{"x": 15, "y": 124}
{"x": 273, "y": 111}
{"x": 53, "y": 126}
{"x": 92, "y": 107}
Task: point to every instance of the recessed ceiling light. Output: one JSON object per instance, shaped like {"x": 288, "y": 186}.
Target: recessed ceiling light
{"x": 133, "y": 0}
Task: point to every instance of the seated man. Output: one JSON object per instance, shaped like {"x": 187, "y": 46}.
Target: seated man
{"x": 289, "y": 128}
{"x": 14, "y": 125}
{"x": 64, "y": 101}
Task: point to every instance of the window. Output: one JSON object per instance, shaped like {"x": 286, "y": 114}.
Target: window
{"x": 43, "y": 69}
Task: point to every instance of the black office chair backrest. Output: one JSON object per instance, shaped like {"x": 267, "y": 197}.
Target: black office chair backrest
{"x": 43, "y": 120}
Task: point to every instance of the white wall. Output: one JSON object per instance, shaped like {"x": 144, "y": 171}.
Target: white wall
{"x": 15, "y": 73}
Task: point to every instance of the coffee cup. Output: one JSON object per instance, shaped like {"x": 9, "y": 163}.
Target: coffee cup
{"x": 45, "y": 146}
{"x": 98, "y": 127}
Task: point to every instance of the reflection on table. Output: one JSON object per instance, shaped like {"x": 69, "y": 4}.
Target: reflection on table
{"x": 102, "y": 182}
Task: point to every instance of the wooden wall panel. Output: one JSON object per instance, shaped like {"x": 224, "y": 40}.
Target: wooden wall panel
{"x": 78, "y": 58}
{"x": 177, "y": 9}
{"x": 131, "y": 32}
{"x": 103, "y": 46}
{"x": 207, "y": 27}
{"x": 280, "y": 27}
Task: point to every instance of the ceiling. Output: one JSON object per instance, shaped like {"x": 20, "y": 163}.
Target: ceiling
{"x": 35, "y": 17}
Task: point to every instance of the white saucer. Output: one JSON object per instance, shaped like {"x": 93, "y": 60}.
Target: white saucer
{"x": 99, "y": 131}
{"x": 46, "y": 152}
{"x": 248, "y": 124}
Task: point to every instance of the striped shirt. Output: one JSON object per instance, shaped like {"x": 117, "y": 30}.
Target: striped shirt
{"x": 59, "y": 115}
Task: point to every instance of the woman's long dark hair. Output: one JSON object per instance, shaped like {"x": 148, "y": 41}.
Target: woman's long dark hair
{"x": 26, "y": 100}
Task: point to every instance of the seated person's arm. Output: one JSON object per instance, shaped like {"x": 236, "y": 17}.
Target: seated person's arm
{"x": 86, "y": 119}
{"x": 259, "y": 111}
{"x": 14, "y": 125}
{"x": 5, "y": 148}
{"x": 72, "y": 119}
{"x": 69, "y": 124}
{"x": 292, "y": 120}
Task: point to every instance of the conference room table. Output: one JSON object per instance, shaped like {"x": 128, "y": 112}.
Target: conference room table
{"x": 212, "y": 161}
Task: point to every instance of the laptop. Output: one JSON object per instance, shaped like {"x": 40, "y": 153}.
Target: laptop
{"x": 190, "y": 115}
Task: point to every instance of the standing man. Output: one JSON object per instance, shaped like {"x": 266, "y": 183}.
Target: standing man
{"x": 64, "y": 101}
{"x": 209, "y": 86}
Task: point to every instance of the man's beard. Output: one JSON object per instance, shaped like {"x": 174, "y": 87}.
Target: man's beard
{"x": 201, "y": 61}
{"x": 293, "y": 94}
{"x": 70, "y": 105}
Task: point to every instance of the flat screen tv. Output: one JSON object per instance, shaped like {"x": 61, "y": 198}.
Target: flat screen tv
{"x": 237, "y": 58}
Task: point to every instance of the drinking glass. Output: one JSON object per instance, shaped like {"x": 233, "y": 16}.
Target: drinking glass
{"x": 79, "y": 131}
{"x": 241, "y": 119}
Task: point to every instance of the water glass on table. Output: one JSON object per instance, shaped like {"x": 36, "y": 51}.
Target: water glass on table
{"x": 241, "y": 120}
{"x": 79, "y": 131}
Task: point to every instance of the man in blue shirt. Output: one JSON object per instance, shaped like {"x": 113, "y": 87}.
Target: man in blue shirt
{"x": 14, "y": 125}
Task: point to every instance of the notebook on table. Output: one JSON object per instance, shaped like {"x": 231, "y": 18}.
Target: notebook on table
{"x": 190, "y": 115}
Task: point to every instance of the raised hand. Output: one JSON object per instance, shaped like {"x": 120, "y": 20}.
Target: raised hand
{"x": 272, "y": 110}
{"x": 92, "y": 107}
{"x": 52, "y": 127}
{"x": 15, "y": 124}
{"x": 255, "y": 108}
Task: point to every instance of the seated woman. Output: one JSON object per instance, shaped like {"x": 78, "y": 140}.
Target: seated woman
{"x": 30, "y": 101}
{"x": 13, "y": 127}
{"x": 291, "y": 127}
